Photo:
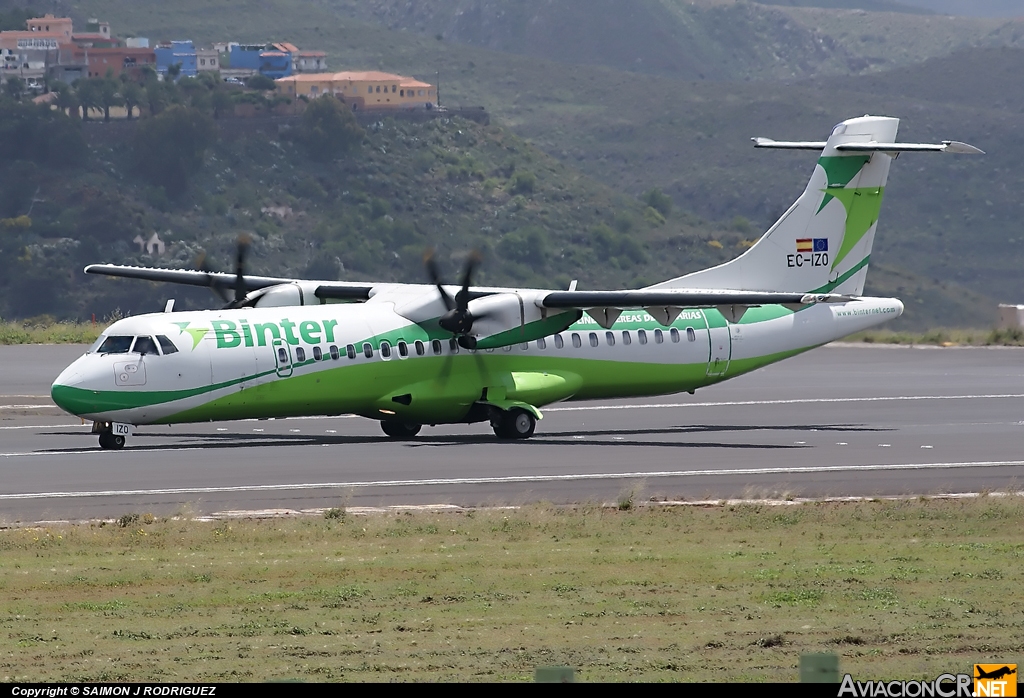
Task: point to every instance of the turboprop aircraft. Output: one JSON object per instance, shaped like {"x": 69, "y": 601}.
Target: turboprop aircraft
{"x": 415, "y": 354}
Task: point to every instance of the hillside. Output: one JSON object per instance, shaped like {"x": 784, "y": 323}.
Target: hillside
{"x": 687, "y": 39}
{"x": 949, "y": 221}
{"x": 448, "y": 184}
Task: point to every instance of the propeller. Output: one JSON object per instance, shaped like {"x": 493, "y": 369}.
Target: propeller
{"x": 218, "y": 285}
{"x": 458, "y": 320}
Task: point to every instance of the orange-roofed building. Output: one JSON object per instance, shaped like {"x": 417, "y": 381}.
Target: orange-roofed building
{"x": 52, "y": 25}
{"x": 363, "y": 90}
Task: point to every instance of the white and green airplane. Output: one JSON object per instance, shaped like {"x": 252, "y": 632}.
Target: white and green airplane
{"x": 415, "y": 354}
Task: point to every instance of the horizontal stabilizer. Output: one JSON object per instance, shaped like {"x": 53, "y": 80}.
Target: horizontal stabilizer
{"x": 954, "y": 147}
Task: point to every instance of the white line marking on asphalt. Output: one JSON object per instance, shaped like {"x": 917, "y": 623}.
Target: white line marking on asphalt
{"x": 795, "y": 401}
{"x": 512, "y": 479}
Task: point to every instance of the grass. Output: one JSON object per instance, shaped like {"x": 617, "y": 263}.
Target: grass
{"x": 899, "y": 589}
{"x": 944, "y": 337}
{"x": 46, "y": 330}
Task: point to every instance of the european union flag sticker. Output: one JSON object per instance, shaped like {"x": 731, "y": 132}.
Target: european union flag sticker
{"x": 821, "y": 244}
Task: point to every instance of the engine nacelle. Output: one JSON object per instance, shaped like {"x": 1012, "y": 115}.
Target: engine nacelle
{"x": 281, "y": 295}
{"x": 512, "y": 318}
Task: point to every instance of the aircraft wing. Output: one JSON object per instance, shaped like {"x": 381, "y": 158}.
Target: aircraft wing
{"x": 685, "y": 298}
{"x": 213, "y": 279}
{"x": 665, "y": 305}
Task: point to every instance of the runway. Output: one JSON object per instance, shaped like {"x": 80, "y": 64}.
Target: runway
{"x": 837, "y": 421}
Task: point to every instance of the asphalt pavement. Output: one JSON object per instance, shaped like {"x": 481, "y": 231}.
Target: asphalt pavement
{"x": 838, "y": 421}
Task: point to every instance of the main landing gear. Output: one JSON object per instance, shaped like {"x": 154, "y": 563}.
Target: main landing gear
{"x": 515, "y": 423}
{"x": 400, "y": 430}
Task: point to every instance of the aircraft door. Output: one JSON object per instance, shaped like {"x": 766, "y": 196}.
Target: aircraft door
{"x": 721, "y": 350}
{"x": 282, "y": 358}
{"x": 233, "y": 368}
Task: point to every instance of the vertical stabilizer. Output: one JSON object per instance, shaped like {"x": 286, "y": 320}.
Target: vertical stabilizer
{"x": 823, "y": 242}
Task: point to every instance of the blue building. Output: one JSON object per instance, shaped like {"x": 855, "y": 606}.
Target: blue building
{"x": 273, "y": 61}
{"x": 181, "y": 53}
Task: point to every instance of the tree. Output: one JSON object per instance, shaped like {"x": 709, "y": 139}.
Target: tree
{"x": 109, "y": 95}
{"x": 260, "y": 82}
{"x": 169, "y": 147}
{"x": 89, "y": 96}
{"x": 221, "y": 102}
{"x": 14, "y": 88}
{"x": 327, "y": 129}
{"x": 133, "y": 95}
{"x": 67, "y": 101}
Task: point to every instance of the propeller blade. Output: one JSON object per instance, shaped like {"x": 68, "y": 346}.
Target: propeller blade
{"x": 244, "y": 242}
{"x": 202, "y": 264}
{"x": 472, "y": 262}
{"x": 435, "y": 278}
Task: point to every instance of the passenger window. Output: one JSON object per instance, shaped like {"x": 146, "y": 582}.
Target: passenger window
{"x": 145, "y": 345}
{"x": 691, "y": 336}
{"x": 453, "y": 346}
{"x": 435, "y": 346}
{"x": 403, "y": 350}
{"x": 368, "y": 350}
{"x": 420, "y": 349}
{"x": 385, "y": 350}
{"x": 674, "y": 333}
{"x": 317, "y": 354}
{"x": 166, "y": 345}
{"x": 116, "y": 345}
{"x": 576, "y": 341}
{"x": 659, "y": 336}
{"x": 610, "y": 338}
{"x": 507, "y": 347}
{"x": 350, "y": 351}
{"x": 335, "y": 354}
{"x": 593, "y": 339}
{"x": 542, "y": 343}
{"x": 626, "y": 338}
{"x": 300, "y": 354}
{"x": 524, "y": 346}
{"x": 641, "y": 336}
{"x": 282, "y": 356}
{"x": 559, "y": 342}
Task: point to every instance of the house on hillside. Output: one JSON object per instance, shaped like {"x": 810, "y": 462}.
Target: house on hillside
{"x": 181, "y": 53}
{"x": 363, "y": 90}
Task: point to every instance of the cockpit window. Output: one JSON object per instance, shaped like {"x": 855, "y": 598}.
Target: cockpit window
{"x": 145, "y": 345}
{"x": 97, "y": 344}
{"x": 166, "y": 344}
{"x": 116, "y": 344}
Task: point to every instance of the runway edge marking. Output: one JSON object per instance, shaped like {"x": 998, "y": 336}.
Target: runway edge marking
{"x": 511, "y": 479}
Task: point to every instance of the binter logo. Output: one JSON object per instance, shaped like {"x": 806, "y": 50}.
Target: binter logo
{"x": 995, "y": 680}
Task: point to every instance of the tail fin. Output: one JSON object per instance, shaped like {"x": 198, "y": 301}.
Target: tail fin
{"x": 822, "y": 244}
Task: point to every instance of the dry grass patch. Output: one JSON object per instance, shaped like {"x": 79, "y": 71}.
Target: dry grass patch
{"x": 899, "y": 589}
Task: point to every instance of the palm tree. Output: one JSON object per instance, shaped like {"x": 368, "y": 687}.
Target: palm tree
{"x": 132, "y": 94}
{"x": 89, "y": 96}
{"x": 108, "y": 95}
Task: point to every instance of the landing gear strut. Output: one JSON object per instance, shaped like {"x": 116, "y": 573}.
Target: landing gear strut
{"x": 400, "y": 430}
{"x": 515, "y": 423}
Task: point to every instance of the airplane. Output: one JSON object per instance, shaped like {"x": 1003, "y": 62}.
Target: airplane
{"x": 410, "y": 355}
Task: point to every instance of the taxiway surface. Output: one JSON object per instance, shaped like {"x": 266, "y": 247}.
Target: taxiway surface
{"x": 837, "y": 421}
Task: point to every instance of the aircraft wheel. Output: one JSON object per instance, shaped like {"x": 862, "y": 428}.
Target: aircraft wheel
{"x": 400, "y": 430}
{"x": 111, "y": 441}
{"x": 517, "y": 423}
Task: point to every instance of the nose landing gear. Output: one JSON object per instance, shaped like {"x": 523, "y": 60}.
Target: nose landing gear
{"x": 112, "y": 434}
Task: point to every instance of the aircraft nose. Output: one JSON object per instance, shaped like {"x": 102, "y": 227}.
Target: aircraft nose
{"x": 64, "y": 388}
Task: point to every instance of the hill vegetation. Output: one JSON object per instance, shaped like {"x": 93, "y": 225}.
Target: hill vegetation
{"x": 948, "y": 223}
